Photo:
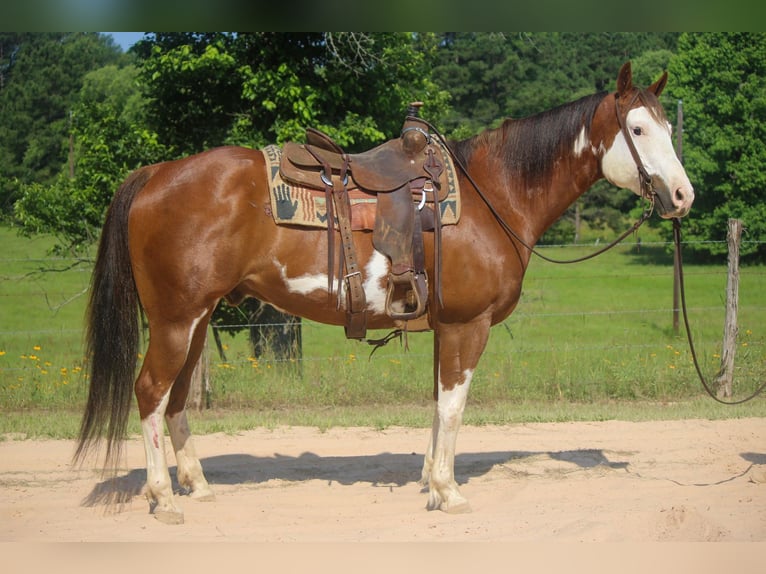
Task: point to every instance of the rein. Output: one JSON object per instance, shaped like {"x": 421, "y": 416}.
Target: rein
{"x": 705, "y": 384}
{"x": 647, "y": 192}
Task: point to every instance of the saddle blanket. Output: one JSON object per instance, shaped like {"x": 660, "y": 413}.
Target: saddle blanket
{"x": 296, "y": 205}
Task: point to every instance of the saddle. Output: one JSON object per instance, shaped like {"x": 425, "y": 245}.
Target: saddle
{"x": 404, "y": 174}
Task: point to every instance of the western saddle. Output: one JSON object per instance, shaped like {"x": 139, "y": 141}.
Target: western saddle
{"x": 404, "y": 174}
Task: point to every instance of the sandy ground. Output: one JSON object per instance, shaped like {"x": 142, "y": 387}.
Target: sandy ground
{"x": 689, "y": 481}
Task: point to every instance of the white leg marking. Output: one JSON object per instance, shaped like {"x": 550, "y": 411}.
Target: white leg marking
{"x": 452, "y": 403}
{"x": 428, "y": 460}
{"x": 443, "y": 491}
{"x": 190, "y": 474}
{"x": 159, "y": 489}
{"x": 189, "y": 469}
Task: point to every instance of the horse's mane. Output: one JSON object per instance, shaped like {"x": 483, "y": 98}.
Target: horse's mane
{"x": 529, "y": 147}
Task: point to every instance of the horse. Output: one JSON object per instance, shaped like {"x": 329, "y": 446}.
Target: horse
{"x": 182, "y": 235}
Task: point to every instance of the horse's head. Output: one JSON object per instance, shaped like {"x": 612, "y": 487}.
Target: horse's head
{"x": 639, "y": 155}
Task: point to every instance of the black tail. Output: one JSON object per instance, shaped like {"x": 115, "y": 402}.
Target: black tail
{"x": 112, "y": 331}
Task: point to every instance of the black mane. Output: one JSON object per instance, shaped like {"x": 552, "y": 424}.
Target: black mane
{"x": 529, "y": 147}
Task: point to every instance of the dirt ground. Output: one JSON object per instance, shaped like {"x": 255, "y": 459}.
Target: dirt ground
{"x": 689, "y": 481}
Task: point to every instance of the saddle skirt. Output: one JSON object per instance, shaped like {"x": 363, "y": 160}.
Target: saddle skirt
{"x": 298, "y": 199}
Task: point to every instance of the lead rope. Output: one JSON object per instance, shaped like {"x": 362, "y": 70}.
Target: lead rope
{"x": 509, "y": 231}
{"x": 708, "y": 389}
{"x": 647, "y": 213}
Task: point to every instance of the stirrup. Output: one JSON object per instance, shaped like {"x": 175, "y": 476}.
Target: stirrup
{"x": 419, "y": 291}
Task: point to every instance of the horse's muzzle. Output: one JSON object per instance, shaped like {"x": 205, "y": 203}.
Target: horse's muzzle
{"x": 677, "y": 203}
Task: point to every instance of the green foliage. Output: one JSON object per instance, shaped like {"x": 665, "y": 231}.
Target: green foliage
{"x": 111, "y": 142}
{"x": 721, "y": 78}
{"x": 192, "y": 91}
{"x": 178, "y": 93}
{"x": 258, "y": 88}
{"x": 354, "y": 86}
{"x": 491, "y": 76}
{"x": 41, "y": 78}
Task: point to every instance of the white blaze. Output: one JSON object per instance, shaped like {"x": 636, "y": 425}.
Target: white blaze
{"x": 654, "y": 146}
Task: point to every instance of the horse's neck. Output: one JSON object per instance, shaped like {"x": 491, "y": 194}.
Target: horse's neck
{"x": 541, "y": 207}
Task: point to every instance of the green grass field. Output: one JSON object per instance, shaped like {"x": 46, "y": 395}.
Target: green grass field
{"x": 592, "y": 340}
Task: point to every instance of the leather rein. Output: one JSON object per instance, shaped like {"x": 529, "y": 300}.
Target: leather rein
{"x": 682, "y": 291}
{"x": 647, "y": 193}
{"x": 645, "y": 182}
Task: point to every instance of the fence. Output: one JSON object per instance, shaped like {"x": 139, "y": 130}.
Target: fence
{"x": 598, "y": 324}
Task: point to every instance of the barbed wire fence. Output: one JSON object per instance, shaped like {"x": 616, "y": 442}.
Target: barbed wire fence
{"x": 54, "y": 299}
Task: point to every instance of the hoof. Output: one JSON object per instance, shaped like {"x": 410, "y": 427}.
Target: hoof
{"x": 203, "y": 495}
{"x": 459, "y": 508}
{"x": 169, "y": 516}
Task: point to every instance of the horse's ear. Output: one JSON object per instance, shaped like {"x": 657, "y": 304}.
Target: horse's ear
{"x": 659, "y": 85}
{"x": 625, "y": 79}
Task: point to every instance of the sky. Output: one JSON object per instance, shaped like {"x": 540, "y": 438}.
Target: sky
{"x": 126, "y": 39}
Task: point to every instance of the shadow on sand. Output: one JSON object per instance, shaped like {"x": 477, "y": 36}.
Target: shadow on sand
{"x": 383, "y": 469}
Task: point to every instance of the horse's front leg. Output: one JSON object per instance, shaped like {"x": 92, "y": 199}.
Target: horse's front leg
{"x": 460, "y": 347}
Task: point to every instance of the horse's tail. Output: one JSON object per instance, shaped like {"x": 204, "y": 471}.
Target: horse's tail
{"x": 112, "y": 336}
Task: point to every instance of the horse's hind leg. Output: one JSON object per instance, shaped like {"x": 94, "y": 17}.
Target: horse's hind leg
{"x": 460, "y": 347}
{"x": 169, "y": 347}
{"x": 190, "y": 475}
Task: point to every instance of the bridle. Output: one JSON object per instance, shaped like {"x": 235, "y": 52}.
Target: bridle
{"x": 645, "y": 181}
{"x": 647, "y": 192}
{"x": 646, "y": 185}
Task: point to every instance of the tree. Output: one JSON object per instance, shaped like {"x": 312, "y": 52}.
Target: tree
{"x": 721, "y": 79}
{"x": 355, "y": 87}
{"x": 192, "y": 84}
{"x": 41, "y": 77}
{"x": 107, "y": 128}
{"x": 492, "y": 76}
{"x": 259, "y": 88}
{"x": 253, "y": 89}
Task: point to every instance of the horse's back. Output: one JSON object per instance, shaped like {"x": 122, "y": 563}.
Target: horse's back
{"x": 200, "y": 191}
{"x": 203, "y": 176}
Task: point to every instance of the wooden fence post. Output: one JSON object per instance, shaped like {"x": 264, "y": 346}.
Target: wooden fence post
{"x": 730, "y": 330}
{"x": 199, "y": 389}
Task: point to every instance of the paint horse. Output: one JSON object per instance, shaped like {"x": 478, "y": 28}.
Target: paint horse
{"x": 182, "y": 235}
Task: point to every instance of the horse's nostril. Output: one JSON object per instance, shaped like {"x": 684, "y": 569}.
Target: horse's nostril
{"x": 680, "y": 196}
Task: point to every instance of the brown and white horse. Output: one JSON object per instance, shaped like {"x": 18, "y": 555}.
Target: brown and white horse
{"x": 182, "y": 235}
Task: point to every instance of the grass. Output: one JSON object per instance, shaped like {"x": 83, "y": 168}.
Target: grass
{"x": 42, "y": 300}
{"x": 44, "y": 424}
{"x": 590, "y": 341}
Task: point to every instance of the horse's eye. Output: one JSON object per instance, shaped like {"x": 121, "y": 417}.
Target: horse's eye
{"x": 637, "y": 131}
